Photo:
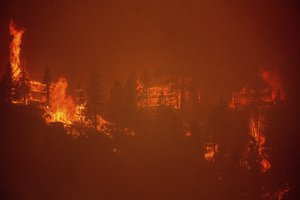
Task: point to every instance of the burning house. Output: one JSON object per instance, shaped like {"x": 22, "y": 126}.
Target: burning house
{"x": 160, "y": 95}
{"x": 181, "y": 94}
{"x": 257, "y": 91}
{"x": 37, "y": 91}
{"x": 255, "y": 98}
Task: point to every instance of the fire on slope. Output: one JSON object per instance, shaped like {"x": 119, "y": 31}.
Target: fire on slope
{"x": 36, "y": 87}
{"x": 62, "y": 107}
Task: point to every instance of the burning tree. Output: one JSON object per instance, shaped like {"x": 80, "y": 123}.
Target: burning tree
{"x": 256, "y": 98}
{"x": 62, "y": 108}
{"x": 23, "y": 88}
{"x": 15, "y": 49}
{"x": 7, "y": 86}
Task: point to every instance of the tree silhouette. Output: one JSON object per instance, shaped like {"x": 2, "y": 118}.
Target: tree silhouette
{"x": 146, "y": 84}
{"x": 47, "y": 80}
{"x": 116, "y": 103}
{"x": 161, "y": 99}
{"x": 7, "y": 86}
{"x": 130, "y": 99}
{"x": 94, "y": 105}
{"x": 23, "y": 88}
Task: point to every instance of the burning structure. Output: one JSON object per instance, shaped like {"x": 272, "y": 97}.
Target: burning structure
{"x": 158, "y": 96}
{"x": 263, "y": 91}
{"x": 37, "y": 89}
{"x": 58, "y": 105}
{"x": 179, "y": 92}
{"x": 257, "y": 91}
{"x": 37, "y": 92}
{"x": 259, "y": 95}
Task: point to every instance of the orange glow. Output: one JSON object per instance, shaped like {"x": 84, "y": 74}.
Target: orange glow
{"x": 273, "y": 79}
{"x": 266, "y": 165}
{"x": 37, "y": 91}
{"x": 188, "y": 133}
{"x": 281, "y": 193}
{"x": 169, "y": 97}
{"x": 257, "y": 132}
{"x": 15, "y": 49}
{"x": 210, "y": 151}
{"x": 260, "y": 94}
{"x": 267, "y": 92}
{"x": 62, "y": 108}
{"x": 102, "y": 126}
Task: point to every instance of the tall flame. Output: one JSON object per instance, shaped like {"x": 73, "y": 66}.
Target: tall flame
{"x": 257, "y": 132}
{"x": 62, "y": 107}
{"x": 15, "y": 49}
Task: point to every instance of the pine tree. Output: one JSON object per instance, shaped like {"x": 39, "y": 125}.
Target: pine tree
{"x": 146, "y": 84}
{"x": 47, "y": 80}
{"x": 7, "y": 86}
{"x": 23, "y": 88}
{"x": 116, "y": 102}
{"x": 94, "y": 104}
{"x": 130, "y": 100}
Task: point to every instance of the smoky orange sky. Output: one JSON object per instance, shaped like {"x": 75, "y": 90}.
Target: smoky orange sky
{"x": 228, "y": 40}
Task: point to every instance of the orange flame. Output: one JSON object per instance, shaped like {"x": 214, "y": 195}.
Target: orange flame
{"x": 62, "y": 108}
{"x": 273, "y": 79}
{"x": 154, "y": 94}
{"x": 15, "y": 49}
{"x": 210, "y": 151}
{"x": 282, "y": 192}
{"x": 256, "y": 131}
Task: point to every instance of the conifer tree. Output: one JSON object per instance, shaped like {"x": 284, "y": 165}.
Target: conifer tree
{"x": 146, "y": 85}
{"x": 116, "y": 102}
{"x": 7, "y": 86}
{"x": 47, "y": 80}
{"x": 130, "y": 99}
{"x": 94, "y": 104}
{"x": 23, "y": 88}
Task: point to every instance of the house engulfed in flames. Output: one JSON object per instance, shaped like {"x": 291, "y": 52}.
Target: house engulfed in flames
{"x": 179, "y": 98}
{"x": 37, "y": 91}
{"x": 259, "y": 95}
{"x": 255, "y": 92}
{"x": 157, "y": 96}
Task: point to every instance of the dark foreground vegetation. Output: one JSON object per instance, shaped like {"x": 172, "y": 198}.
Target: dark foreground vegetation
{"x": 40, "y": 161}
